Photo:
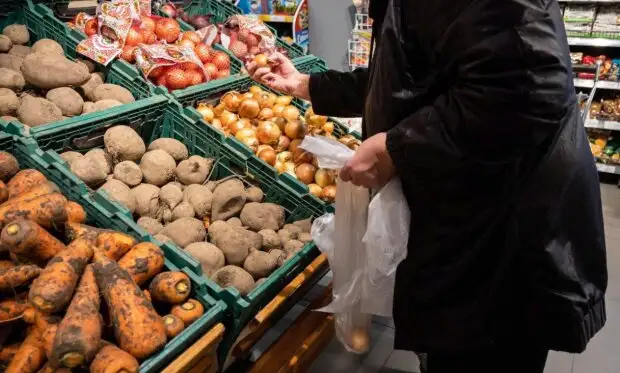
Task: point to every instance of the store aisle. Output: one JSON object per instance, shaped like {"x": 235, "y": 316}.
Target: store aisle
{"x": 601, "y": 356}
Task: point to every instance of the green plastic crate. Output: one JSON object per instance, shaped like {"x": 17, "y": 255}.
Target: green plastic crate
{"x": 30, "y": 156}
{"x": 310, "y": 64}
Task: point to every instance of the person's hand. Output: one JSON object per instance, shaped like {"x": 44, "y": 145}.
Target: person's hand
{"x": 281, "y": 75}
{"x": 371, "y": 166}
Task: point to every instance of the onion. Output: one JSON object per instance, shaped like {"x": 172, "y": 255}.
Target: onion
{"x": 290, "y": 112}
{"x": 315, "y": 162}
{"x": 293, "y": 145}
{"x": 231, "y": 101}
{"x": 255, "y": 89}
{"x": 247, "y": 95}
{"x": 284, "y": 100}
{"x": 324, "y": 177}
{"x": 279, "y": 167}
{"x": 261, "y": 60}
{"x": 267, "y": 154}
{"x": 277, "y": 110}
{"x": 328, "y": 127}
{"x": 206, "y": 112}
{"x": 270, "y": 101}
{"x": 169, "y": 11}
{"x": 238, "y": 125}
{"x": 295, "y": 129}
{"x": 350, "y": 141}
{"x": 329, "y": 193}
{"x": 283, "y": 144}
{"x": 263, "y": 99}
{"x": 218, "y": 110}
{"x": 360, "y": 341}
{"x": 281, "y": 122}
{"x": 305, "y": 173}
{"x": 217, "y": 124}
{"x": 248, "y": 137}
{"x": 249, "y": 109}
{"x": 228, "y": 118}
{"x": 266, "y": 114}
{"x": 200, "y": 21}
{"x": 289, "y": 168}
{"x": 284, "y": 157}
{"x": 315, "y": 190}
{"x": 268, "y": 133}
{"x": 301, "y": 156}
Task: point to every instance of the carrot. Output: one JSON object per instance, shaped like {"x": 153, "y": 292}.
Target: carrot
{"x": 11, "y": 308}
{"x": 18, "y": 276}
{"x": 189, "y": 311}
{"x": 30, "y": 356}
{"x": 48, "y": 339}
{"x": 115, "y": 244}
{"x": 170, "y": 287}
{"x": 142, "y": 262}
{"x": 24, "y": 181}
{"x": 47, "y": 368}
{"x": 8, "y": 351}
{"x": 52, "y": 291}
{"x": 29, "y": 240}
{"x": 75, "y": 230}
{"x": 174, "y": 325}
{"x": 4, "y": 192}
{"x": 29, "y": 315}
{"x": 6, "y": 265}
{"x": 42, "y": 189}
{"x": 111, "y": 359}
{"x": 75, "y": 212}
{"x": 137, "y": 327}
{"x": 147, "y": 295}
{"x": 79, "y": 333}
{"x": 43, "y": 321}
{"x": 48, "y": 211}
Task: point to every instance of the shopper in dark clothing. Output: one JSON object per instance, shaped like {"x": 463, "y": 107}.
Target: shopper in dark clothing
{"x": 472, "y": 104}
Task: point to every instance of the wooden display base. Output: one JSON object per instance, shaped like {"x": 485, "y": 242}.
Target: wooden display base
{"x": 201, "y": 357}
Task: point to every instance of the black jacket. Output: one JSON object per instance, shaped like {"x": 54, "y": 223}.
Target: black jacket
{"x": 506, "y": 235}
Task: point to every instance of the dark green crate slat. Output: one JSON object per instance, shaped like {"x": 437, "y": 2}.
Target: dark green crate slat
{"x": 29, "y": 156}
{"x": 310, "y": 64}
{"x": 293, "y": 51}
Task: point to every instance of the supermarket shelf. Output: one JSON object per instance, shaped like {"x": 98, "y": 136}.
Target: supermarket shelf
{"x": 602, "y": 84}
{"x": 583, "y": 83}
{"x": 603, "y": 124}
{"x": 276, "y": 18}
{"x": 594, "y": 42}
{"x": 608, "y": 168}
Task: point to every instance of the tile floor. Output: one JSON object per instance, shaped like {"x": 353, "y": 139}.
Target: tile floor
{"x": 600, "y": 357}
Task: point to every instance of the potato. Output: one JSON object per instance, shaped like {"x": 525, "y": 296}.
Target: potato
{"x": 90, "y": 65}
{"x": 304, "y": 237}
{"x": 11, "y": 79}
{"x": 147, "y": 200}
{"x": 35, "y": 111}
{"x": 102, "y": 158}
{"x": 259, "y": 263}
{"x": 69, "y": 101}
{"x": 194, "y": 170}
{"x": 88, "y": 107}
{"x": 174, "y": 147}
{"x": 183, "y": 210}
{"x": 20, "y": 51}
{"x": 177, "y": 184}
{"x": 208, "y": 255}
{"x": 259, "y": 282}
{"x": 201, "y": 199}
{"x": 128, "y": 172}
{"x": 124, "y": 144}
{"x": 233, "y": 276}
{"x": 170, "y": 195}
{"x": 254, "y": 194}
{"x": 235, "y": 222}
{"x": 48, "y": 71}
{"x": 11, "y": 61}
{"x": 17, "y": 33}
{"x": 235, "y": 242}
{"x": 47, "y": 46}
{"x": 294, "y": 229}
{"x": 162, "y": 238}
{"x": 150, "y": 225}
{"x": 106, "y": 104}
{"x": 305, "y": 225}
{"x": 88, "y": 88}
{"x": 271, "y": 240}
{"x": 71, "y": 156}
{"x": 157, "y": 167}
{"x": 211, "y": 185}
{"x": 228, "y": 199}
{"x": 293, "y": 247}
{"x": 109, "y": 91}
{"x": 279, "y": 255}
{"x": 185, "y": 231}
{"x": 89, "y": 171}
{"x": 5, "y": 43}
{"x": 285, "y": 236}
{"x": 121, "y": 193}
{"x": 9, "y": 102}
{"x": 259, "y": 216}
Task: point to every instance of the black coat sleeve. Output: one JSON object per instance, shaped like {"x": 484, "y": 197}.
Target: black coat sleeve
{"x": 508, "y": 95}
{"x": 339, "y": 94}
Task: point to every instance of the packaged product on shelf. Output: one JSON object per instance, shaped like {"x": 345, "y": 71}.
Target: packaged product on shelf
{"x": 607, "y": 19}
{"x": 579, "y": 18}
{"x": 576, "y": 57}
{"x": 595, "y": 110}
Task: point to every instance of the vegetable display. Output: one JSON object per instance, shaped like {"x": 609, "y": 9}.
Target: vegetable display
{"x": 78, "y": 293}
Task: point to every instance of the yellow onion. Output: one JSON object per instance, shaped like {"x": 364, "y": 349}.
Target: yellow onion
{"x": 283, "y": 144}
{"x": 265, "y": 114}
{"x": 293, "y": 145}
{"x": 271, "y": 101}
{"x": 315, "y": 162}
{"x": 277, "y": 110}
{"x": 239, "y": 125}
{"x": 268, "y": 133}
{"x": 360, "y": 340}
{"x": 255, "y": 89}
{"x": 267, "y": 154}
{"x": 328, "y": 127}
{"x": 324, "y": 177}
{"x": 261, "y": 60}
{"x": 263, "y": 99}
{"x": 305, "y": 173}
{"x": 284, "y": 157}
{"x": 284, "y": 100}
{"x": 279, "y": 166}
{"x": 315, "y": 190}
{"x": 227, "y": 118}
{"x": 350, "y": 141}
{"x": 216, "y": 123}
{"x": 206, "y": 112}
{"x": 289, "y": 168}
{"x": 302, "y": 156}
{"x": 329, "y": 193}
{"x": 290, "y": 112}
{"x": 295, "y": 129}
{"x": 218, "y": 109}
{"x": 248, "y": 137}
{"x": 231, "y": 101}
{"x": 249, "y": 109}
{"x": 281, "y": 122}
{"x": 247, "y": 95}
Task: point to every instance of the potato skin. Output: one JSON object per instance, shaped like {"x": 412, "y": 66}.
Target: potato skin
{"x": 11, "y": 79}
{"x": 124, "y": 144}
{"x": 112, "y": 91}
{"x": 118, "y": 191}
{"x": 157, "y": 167}
{"x": 236, "y": 277}
{"x": 129, "y": 173}
{"x": 185, "y": 231}
{"x": 9, "y": 102}
{"x": 35, "y": 111}
{"x": 47, "y": 46}
{"x": 69, "y": 101}
{"x": 174, "y": 147}
{"x": 5, "y": 43}
{"x": 17, "y": 33}
{"x": 210, "y": 257}
{"x": 49, "y": 71}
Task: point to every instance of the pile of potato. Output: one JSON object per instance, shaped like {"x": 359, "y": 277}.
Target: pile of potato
{"x": 55, "y": 270}
{"x": 237, "y": 238}
{"x": 39, "y": 85}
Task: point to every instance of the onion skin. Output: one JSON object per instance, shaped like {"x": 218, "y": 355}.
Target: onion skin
{"x": 283, "y": 144}
{"x": 248, "y": 137}
{"x": 289, "y": 168}
{"x": 255, "y": 89}
{"x": 277, "y": 110}
{"x": 305, "y": 173}
{"x": 266, "y": 114}
{"x": 200, "y": 21}
{"x": 237, "y": 126}
{"x": 227, "y": 118}
{"x": 323, "y": 177}
{"x": 328, "y": 127}
{"x": 284, "y": 100}
{"x": 281, "y": 122}
{"x": 249, "y": 108}
{"x": 295, "y": 129}
{"x": 329, "y": 193}
{"x": 267, "y": 154}
{"x": 290, "y": 112}
{"x": 206, "y": 112}
{"x": 284, "y": 157}
{"x": 315, "y": 190}
{"x": 261, "y": 60}
{"x": 231, "y": 101}
{"x": 217, "y": 124}
{"x": 268, "y": 133}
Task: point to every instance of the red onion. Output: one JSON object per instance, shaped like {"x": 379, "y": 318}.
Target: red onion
{"x": 200, "y": 21}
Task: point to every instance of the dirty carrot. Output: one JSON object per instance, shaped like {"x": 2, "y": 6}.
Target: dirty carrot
{"x": 189, "y": 311}
{"x": 147, "y": 295}
{"x": 111, "y": 359}
{"x": 75, "y": 212}
{"x": 24, "y": 181}
{"x": 29, "y": 240}
{"x": 48, "y": 339}
{"x": 39, "y": 190}
{"x": 30, "y": 356}
{"x": 170, "y": 287}
{"x": 115, "y": 244}
{"x": 174, "y": 325}
{"x": 4, "y": 192}
{"x": 11, "y": 308}
{"x": 18, "y": 276}
{"x": 48, "y": 211}
{"x": 75, "y": 230}
{"x": 8, "y": 351}
{"x": 142, "y": 262}
{"x": 5, "y": 265}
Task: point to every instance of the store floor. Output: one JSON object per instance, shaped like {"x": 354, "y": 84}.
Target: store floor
{"x": 600, "y": 357}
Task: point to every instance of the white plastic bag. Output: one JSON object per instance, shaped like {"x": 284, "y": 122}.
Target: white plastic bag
{"x": 363, "y": 243}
